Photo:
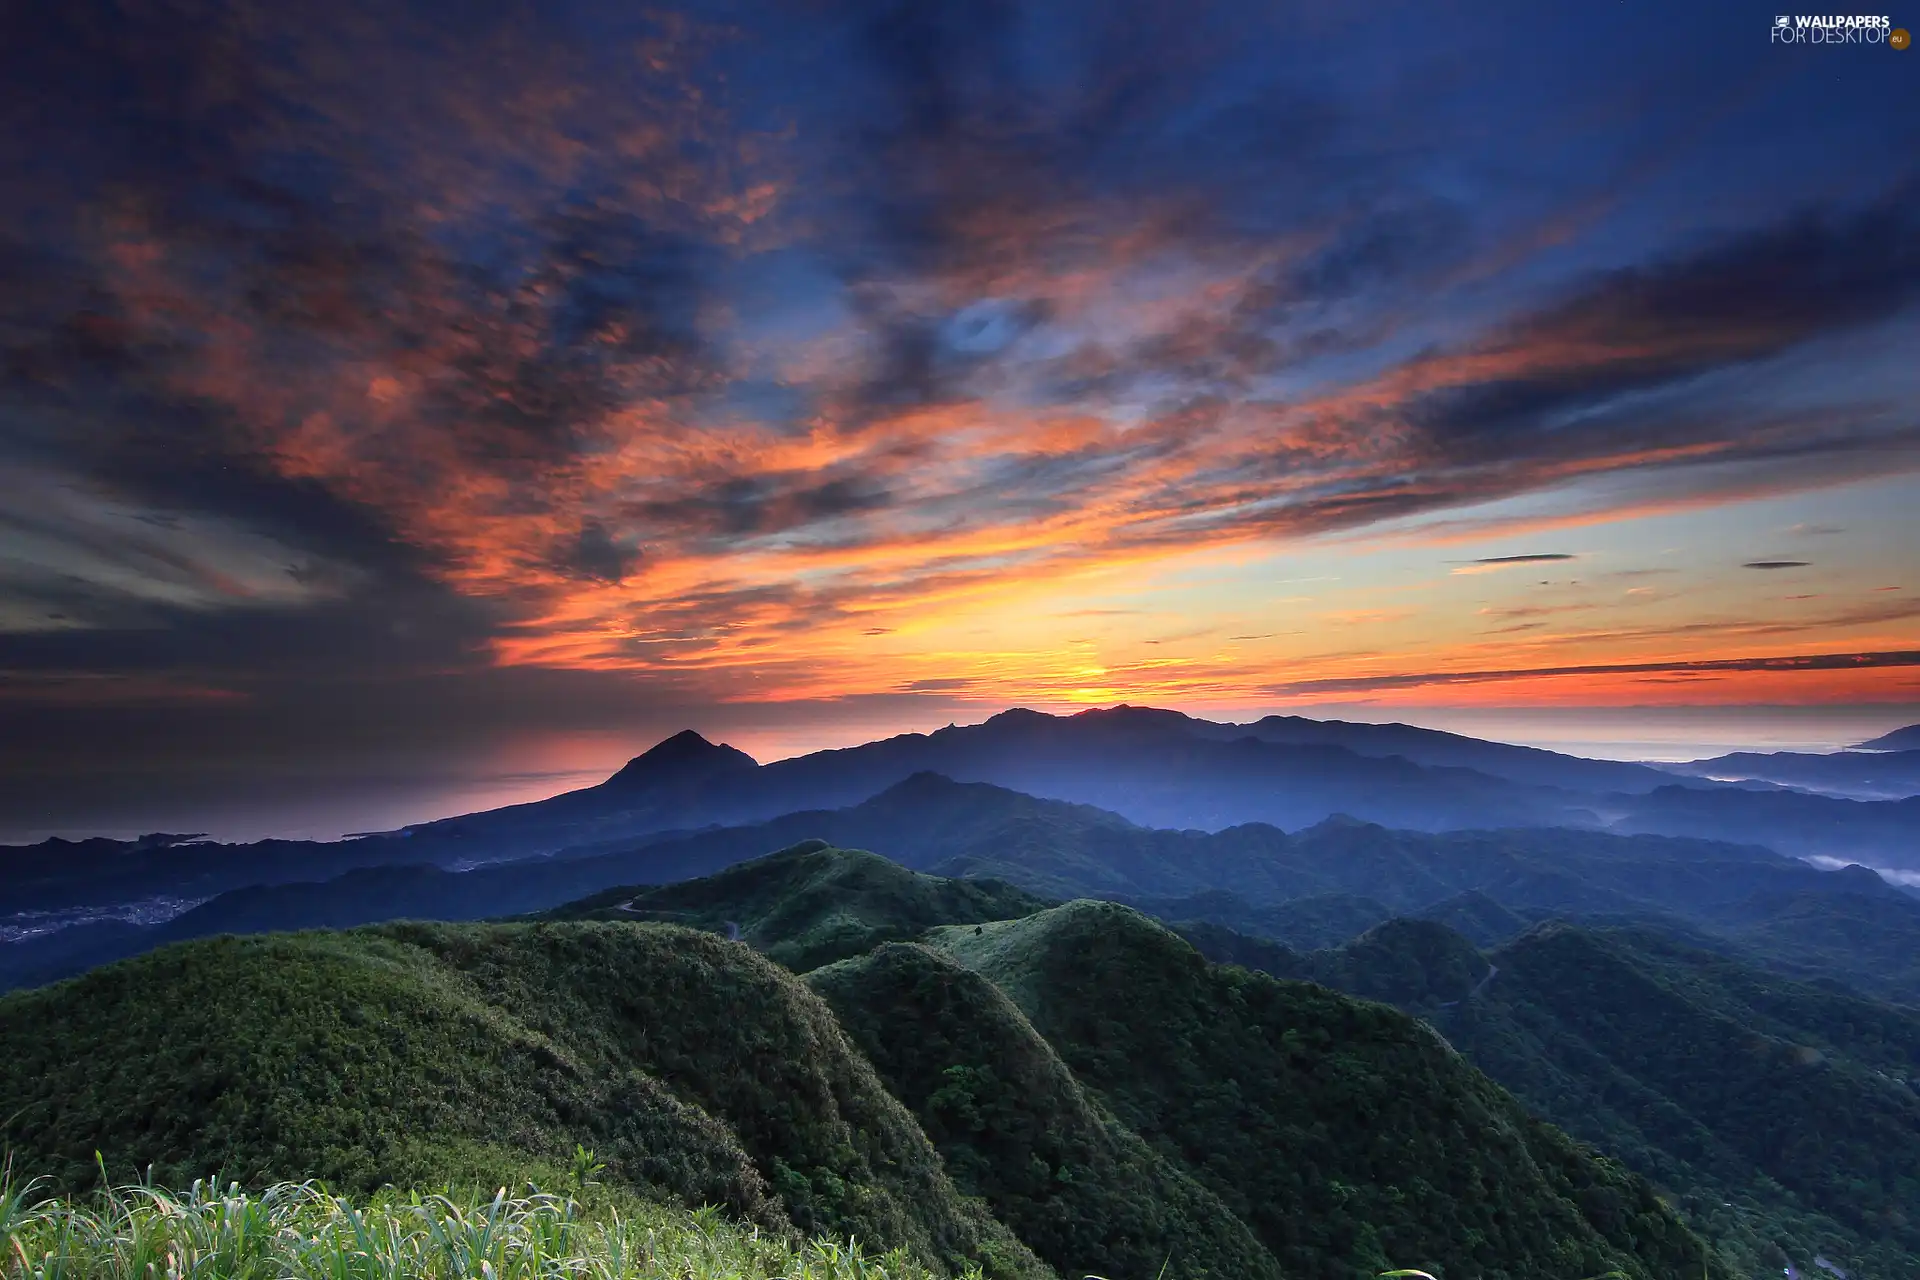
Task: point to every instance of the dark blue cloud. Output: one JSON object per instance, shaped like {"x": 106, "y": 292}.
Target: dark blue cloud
{"x": 360, "y": 282}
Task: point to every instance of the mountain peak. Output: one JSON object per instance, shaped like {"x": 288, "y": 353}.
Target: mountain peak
{"x": 1865, "y": 879}
{"x": 1907, "y": 739}
{"x": 685, "y": 757}
{"x": 1126, "y": 716}
{"x": 1342, "y": 822}
{"x": 1018, "y": 716}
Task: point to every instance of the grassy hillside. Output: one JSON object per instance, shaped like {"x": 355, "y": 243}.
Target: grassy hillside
{"x": 1415, "y": 964}
{"x": 811, "y": 904}
{"x": 1871, "y": 938}
{"x": 422, "y": 1054}
{"x": 1477, "y": 918}
{"x": 1305, "y": 924}
{"x": 1017, "y": 1128}
{"x": 1785, "y": 1115}
{"x": 223, "y": 1232}
{"x": 1346, "y": 1135}
{"x": 1779, "y": 1115}
{"x": 977, "y": 1077}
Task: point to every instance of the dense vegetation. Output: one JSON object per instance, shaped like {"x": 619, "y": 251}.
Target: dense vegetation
{"x": 1221, "y": 1124}
{"x": 424, "y": 1054}
{"x": 300, "y": 1231}
{"x": 1016, "y": 1127}
{"x": 1309, "y": 889}
{"x": 1346, "y": 1135}
{"x": 811, "y": 904}
{"x": 1076, "y": 1081}
{"x": 1783, "y": 1117}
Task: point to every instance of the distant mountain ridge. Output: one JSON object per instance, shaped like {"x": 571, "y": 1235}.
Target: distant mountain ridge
{"x": 1858, "y": 774}
{"x": 1907, "y": 739}
{"x": 1308, "y": 888}
{"x": 685, "y": 758}
{"x": 1150, "y": 767}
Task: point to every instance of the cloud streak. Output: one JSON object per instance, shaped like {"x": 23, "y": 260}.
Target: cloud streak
{"x": 346, "y": 341}
{"x": 1781, "y": 664}
{"x": 1491, "y": 564}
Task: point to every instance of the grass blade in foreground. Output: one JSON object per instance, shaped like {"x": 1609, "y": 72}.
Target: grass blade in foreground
{"x": 301, "y": 1230}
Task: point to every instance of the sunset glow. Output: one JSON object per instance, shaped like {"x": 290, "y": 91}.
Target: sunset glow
{"x": 908, "y": 362}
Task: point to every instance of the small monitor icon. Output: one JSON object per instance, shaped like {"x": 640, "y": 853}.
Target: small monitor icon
{"x": 1783, "y": 21}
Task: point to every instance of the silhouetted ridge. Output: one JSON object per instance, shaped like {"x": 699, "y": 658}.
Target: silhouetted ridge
{"x": 1907, "y": 739}
{"x": 929, "y": 782}
{"x": 683, "y": 758}
{"x": 1018, "y": 717}
{"x": 1343, "y": 822}
{"x": 1864, "y": 879}
{"x": 1135, "y": 719}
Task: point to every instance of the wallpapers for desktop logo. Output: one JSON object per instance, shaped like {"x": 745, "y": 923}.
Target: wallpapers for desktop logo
{"x": 1834, "y": 28}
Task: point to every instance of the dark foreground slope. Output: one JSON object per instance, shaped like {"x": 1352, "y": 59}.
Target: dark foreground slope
{"x": 416, "y": 1054}
{"x": 1347, "y": 1136}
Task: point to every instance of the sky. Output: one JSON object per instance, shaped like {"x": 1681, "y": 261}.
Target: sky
{"x": 410, "y": 404}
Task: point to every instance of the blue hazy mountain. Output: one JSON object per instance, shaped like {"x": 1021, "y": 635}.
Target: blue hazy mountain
{"x": 1152, "y": 768}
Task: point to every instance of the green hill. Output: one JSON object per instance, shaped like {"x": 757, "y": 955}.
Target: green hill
{"x": 1870, "y": 938}
{"x": 217, "y": 1232}
{"x": 1073, "y": 1087}
{"x": 1313, "y": 888}
{"x": 418, "y": 1054}
{"x": 1016, "y": 1128}
{"x": 811, "y": 904}
{"x": 1784, "y": 1114}
{"x": 1416, "y": 964}
{"x": 1347, "y": 1136}
{"x": 1783, "y": 1117}
{"x": 1478, "y": 918}
{"x": 1306, "y": 924}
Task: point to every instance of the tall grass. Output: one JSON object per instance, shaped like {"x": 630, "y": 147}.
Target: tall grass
{"x": 300, "y": 1231}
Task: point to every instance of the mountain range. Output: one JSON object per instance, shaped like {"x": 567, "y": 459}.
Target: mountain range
{"x": 1072, "y": 1089}
{"x": 1769, "y": 1107}
{"x": 1850, "y": 925}
{"x": 1884, "y": 774}
{"x": 1154, "y": 768}
{"x": 1086, "y": 1022}
{"x": 1907, "y": 739}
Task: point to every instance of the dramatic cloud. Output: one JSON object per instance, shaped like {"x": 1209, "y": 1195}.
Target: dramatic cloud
{"x": 754, "y": 354}
{"x": 1775, "y": 564}
{"x": 1408, "y": 680}
{"x": 1489, "y": 564}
